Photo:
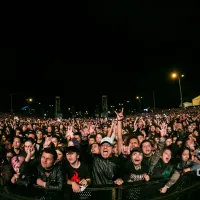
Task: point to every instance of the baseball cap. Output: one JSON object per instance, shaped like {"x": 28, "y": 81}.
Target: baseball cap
{"x": 136, "y": 149}
{"x": 72, "y": 149}
{"x": 107, "y": 140}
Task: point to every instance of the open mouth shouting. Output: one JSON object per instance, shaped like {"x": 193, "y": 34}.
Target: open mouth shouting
{"x": 166, "y": 156}
{"x": 106, "y": 150}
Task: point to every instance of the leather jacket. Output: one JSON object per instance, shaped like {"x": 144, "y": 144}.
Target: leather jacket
{"x": 55, "y": 180}
{"x": 105, "y": 171}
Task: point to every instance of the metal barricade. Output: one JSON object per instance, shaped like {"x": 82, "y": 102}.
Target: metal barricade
{"x": 136, "y": 191}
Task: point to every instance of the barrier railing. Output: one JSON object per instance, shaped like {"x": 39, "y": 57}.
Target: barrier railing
{"x": 185, "y": 189}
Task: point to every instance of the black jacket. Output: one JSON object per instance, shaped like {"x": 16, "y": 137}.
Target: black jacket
{"x": 55, "y": 180}
{"x": 105, "y": 171}
{"x": 30, "y": 168}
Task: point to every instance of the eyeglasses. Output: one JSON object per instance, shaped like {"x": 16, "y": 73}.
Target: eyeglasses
{"x": 106, "y": 145}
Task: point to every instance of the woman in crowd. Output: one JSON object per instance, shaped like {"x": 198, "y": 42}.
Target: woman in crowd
{"x": 185, "y": 162}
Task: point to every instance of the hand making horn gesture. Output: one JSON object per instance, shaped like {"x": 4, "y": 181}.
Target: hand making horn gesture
{"x": 120, "y": 115}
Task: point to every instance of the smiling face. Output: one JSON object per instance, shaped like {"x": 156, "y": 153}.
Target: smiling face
{"x": 39, "y": 135}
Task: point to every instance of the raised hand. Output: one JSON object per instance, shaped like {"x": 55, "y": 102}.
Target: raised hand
{"x": 32, "y": 150}
{"x": 163, "y": 130}
{"x": 120, "y": 115}
{"x": 70, "y": 132}
{"x": 92, "y": 129}
{"x": 113, "y": 123}
{"x": 30, "y": 153}
{"x": 135, "y": 126}
{"x": 146, "y": 177}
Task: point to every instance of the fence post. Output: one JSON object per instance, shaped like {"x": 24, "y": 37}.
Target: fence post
{"x": 113, "y": 193}
{"x": 119, "y": 193}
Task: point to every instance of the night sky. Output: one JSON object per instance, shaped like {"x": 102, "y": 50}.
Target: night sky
{"x": 83, "y": 51}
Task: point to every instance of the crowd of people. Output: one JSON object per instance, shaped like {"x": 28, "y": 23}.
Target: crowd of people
{"x": 83, "y": 152}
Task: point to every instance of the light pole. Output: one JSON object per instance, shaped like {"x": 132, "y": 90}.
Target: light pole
{"x": 11, "y": 104}
{"x": 154, "y": 101}
{"x": 176, "y": 76}
{"x": 51, "y": 110}
{"x": 138, "y": 97}
{"x": 40, "y": 105}
{"x": 129, "y": 108}
{"x": 29, "y": 100}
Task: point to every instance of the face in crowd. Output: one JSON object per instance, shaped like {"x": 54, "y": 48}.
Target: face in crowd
{"x": 59, "y": 155}
{"x": 166, "y": 156}
{"x": 133, "y": 143}
{"x": 98, "y": 138}
{"x": 168, "y": 142}
{"x": 47, "y": 160}
{"x": 136, "y": 158}
{"x": 72, "y": 157}
{"x": 147, "y": 148}
{"x": 95, "y": 149}
{"x": 115, "y": 150}
{"x": 106, "y": 150}
{"x": 28, "y": 145}
{"x": 185, "y": 155}
{"x": 17, "y": 143}
{"x": 91, "y": 141}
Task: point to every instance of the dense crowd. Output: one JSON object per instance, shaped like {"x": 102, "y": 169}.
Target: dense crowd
{"x": 84, "y": 152}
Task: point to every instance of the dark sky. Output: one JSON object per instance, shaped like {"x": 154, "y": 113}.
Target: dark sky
{"x": 85, "y": 50}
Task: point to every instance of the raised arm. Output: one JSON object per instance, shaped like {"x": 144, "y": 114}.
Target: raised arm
{"x": 111, "y": 129}
{"x": 120, "y": 118}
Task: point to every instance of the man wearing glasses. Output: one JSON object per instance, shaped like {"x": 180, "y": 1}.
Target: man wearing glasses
{"x": 106, "y": 168}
